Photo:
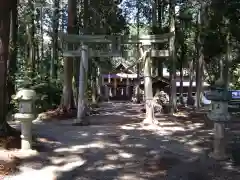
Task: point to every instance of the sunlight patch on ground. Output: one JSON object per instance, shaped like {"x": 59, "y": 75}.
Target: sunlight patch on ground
{"x": 173, "y": 128}
{"x": 125, "y": 155}
{"x": 97, "y": 144}
{"x": 166, "y": 123}
{"x": 69, "y": 158}
{"x": 18, "y": 153}
{"x": 94, "y": 145}
{"x": 124, "y": 137}
{"x": 195, "y": 126}
{"x": 112, "y": 157}
{"x": 182, "y": 140}
{"x": 72, "y": 165}
{"x": 153, "y": 128}
{"x": 85, "y": 134}
{"x": 181, "y": 114}
{"x": 136, "y": 145}
{"x": 162, "y": 130}
{"x": 129, "y": 177}
{"x": 230, "y": 166}
{"x": 196, "y": 150}
{"x": 193, "y": 142}
{"x": 109, "y": 167}
{"x": 100, "y": 134}
{"x": 47, "y": 173}
{"x": 127, "y": 127}
{"x": 60, "y": 164}
{"x": 165, "y": 128}
{"x": 139, "y": 145}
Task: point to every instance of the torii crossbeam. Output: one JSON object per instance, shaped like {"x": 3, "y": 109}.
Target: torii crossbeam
{"x": 84, "y": 52}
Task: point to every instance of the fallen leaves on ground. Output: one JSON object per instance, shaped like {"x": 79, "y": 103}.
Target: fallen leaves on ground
{"x": 58, "y": 114}
{"x": 9, "y": 166}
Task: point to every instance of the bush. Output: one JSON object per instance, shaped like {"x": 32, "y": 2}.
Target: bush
{"x": 48, "y": 92}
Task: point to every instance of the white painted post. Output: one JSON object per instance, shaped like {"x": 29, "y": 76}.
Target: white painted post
{"x": 102, "y": 80}
{"x": 110, "y": 92}
{"x": 106, "y": 91}
{"x": 127, "y": 87}
{"x": 82, "y": 76}
{"x": 99, "y": 82}
{"x": 148, "y": 92}
{"x": 109, "y": 78}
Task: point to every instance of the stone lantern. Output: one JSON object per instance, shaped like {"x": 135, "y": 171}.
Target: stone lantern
{"x": 27, "y": 113}
{"x": 219, "y": 96}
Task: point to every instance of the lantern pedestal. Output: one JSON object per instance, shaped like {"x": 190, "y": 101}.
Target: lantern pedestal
{"x": 26, "y": 115}
{"x": 218, "y": 113}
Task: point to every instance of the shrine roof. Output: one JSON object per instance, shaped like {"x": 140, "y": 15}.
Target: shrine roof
{"x": 120, "y": 75}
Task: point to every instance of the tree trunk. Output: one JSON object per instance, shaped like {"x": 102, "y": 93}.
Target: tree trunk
{"x": 199, "y": 69}
{"x": 154, "y": 14}
{"x": 67, "y": 98}
{"x": 154, "y": 67}
{"x": 227, "y": 61}
{"x": 221, "y": 68}
{"x": 138, "y": 84}
{"x": 37, "y": 57}
{"x": 181, "y": 82}
{"x": 94, "y": 76}
{"x": 12, "y": 66}
{"x": 172, "y": 57}
{"x": 39, "y": 53}
{"x": 160, "y": 60}
{"x": 160, "y": 13}
{"x": 94, "y": 90}
{"x": 190, "y": 100}
{"x": 138, "y": 56}
{"x": 54, "y": 60}
{"x": 31, "y": 39}
{"x": 5, "y": 11}
{"x": 86, "y": 16}
{"x": 199, "y": 80}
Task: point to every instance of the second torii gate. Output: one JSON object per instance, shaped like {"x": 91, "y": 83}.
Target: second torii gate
{"x": 84, "y": 52}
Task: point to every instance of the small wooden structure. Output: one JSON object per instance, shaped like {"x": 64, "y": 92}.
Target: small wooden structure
{"x": 119, "y": 84}
{"x": 158, "y": 83}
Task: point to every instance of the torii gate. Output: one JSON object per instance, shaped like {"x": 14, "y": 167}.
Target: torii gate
{"x": 84, "y": 52}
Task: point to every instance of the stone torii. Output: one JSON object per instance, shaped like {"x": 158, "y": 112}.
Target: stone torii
{"x": 84, "y": 52}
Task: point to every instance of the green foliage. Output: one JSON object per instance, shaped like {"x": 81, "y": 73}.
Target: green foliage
{"x": 105, "y": 16}
{"x": 236, "y": 78}
{"x": 36, "y": 30}
{"x": 48, "y": 91}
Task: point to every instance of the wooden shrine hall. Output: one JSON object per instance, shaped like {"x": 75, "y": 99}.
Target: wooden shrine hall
{"x": 119, "y": 84}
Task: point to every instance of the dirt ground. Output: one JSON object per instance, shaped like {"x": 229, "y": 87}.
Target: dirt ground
{"x": 116, "y": 146}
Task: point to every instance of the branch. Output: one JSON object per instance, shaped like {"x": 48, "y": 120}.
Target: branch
{"x": 143, "y": 56}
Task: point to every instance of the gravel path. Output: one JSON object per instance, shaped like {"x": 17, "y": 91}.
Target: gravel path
{"x": 114, "y": 147}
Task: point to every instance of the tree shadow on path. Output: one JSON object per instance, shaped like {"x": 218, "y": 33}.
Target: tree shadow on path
{"x": 112, "y": 149}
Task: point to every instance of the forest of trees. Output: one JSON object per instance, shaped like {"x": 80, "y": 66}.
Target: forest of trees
{"x": 205, "y": 40}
